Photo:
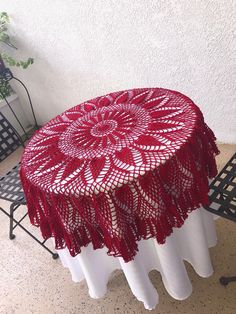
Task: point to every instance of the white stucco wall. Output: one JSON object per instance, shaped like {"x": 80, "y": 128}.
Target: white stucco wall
{"x": 86, "y": 48}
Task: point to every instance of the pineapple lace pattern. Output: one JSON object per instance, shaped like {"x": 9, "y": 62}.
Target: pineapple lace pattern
{"x": 126, "y": 166}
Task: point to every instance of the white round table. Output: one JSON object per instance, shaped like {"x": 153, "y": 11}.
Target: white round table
{"x": 189, "y": 243}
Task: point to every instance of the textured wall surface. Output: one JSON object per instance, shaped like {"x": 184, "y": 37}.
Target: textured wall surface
{"x": 86, "y": 48}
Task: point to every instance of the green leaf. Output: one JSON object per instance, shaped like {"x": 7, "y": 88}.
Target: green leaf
{"x": 5, "y": 38}
{"x": 5, "y": 88}
{"x": 12, "y": 62}
{"x": 31, "y": 60}
{"x": 3, "y": 28}
{"x": 4, "y": 17}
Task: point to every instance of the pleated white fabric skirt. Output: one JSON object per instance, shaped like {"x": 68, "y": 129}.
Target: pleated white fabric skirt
{"x": 189, "y": 243}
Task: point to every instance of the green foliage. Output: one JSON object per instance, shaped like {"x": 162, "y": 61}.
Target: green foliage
{"x": 5, "y": 88}
{"x": 5, "y": 39}
{"x": 4, "y": 18}
{"x": 12, "y": 62}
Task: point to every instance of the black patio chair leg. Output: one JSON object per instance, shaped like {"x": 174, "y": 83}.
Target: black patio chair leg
{"x": 18, "y": 223}
{"x": 11, "y": 235}
{"x": 225, "y": 280}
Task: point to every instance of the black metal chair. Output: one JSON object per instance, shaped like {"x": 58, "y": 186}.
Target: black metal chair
{"x": 223, "y": 198}
{"x": 10, "y": 185}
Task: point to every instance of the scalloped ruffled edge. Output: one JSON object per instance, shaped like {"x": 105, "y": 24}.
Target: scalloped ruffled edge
{"x": 44, "y": 209}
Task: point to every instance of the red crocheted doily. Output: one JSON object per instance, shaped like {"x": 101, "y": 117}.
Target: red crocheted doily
{"x": 118, "y": 168}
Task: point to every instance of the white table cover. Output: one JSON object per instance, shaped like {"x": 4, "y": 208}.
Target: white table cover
{"x": 189, "y": 243}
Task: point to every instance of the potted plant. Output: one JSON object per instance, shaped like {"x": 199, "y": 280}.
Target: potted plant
{"x": 7, "y": 95}
{"x": 5, "y": 40}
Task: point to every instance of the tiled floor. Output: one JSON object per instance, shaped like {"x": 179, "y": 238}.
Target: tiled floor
{"x": 32, "y": 282}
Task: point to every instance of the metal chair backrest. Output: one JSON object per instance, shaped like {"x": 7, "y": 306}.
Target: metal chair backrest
{"x": 223, "y": 191}
{"x": 10, "y": 140}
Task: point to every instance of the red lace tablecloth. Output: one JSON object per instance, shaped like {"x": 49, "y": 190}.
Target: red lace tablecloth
{"x": 118, "y": 168}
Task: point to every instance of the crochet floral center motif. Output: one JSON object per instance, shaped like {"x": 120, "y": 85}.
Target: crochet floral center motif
{"x": 103, "y": 128}
{"x": 104, "y": 131}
